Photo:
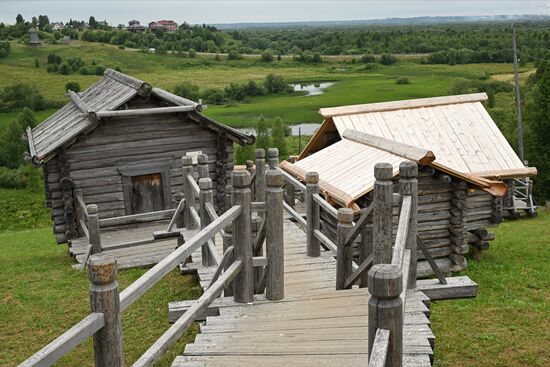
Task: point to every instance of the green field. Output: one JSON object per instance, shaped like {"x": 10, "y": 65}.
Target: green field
{"x": 352, "y": 84}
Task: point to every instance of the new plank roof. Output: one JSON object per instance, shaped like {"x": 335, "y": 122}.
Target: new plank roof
{"x": 108, "y": 94}
{"x": 458, "y": 132}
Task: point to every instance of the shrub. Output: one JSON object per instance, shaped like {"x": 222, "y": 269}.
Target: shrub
{"x": 235, "y": 91}
{"x": 21, "y": 95}
{"x": 25, "y": 176}
{"x": 72, "y": 85}
{"x": 402, "y": 80}
{"x": 369, "y": 67}
{"x": 52, "y": 68}
{"x": 192, "y": 53}
{"x": 36, "y": 63}
{"x": 121, "y": 47}
{"x": 253, "y": 89}
{"x": 65, "y": 69}
{"x": 368, "y": 58}
{"x": 54, "y": 59}
{"x": 12, "y": 146}
{"x": 187, "y": 90}
{"x": 212, "y": 95}
{"x": 4, "y": 49}
{"x": 388, "y": 59}
{"x": 276, "y": 84}
{"x": 267, "y": 56}
{"x": 233, "y": 55}
{"x": 99, "y": 70}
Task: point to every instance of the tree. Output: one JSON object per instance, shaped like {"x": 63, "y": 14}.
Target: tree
{"x": 278, "y": 138}
{"x": 538, "y": 122}
{"x": 388, "y": 59}
{"x": 43, "y": 22}
{"x": 13, "y": 146}
{"x": 267, "y": 56}
{"x": 19, "y": 19}
{"x": 92, "y": 22}
{"x": 187, "y": 90}
{"x": 72, "y": 85}
{"x": 262, "y": 134}
{"x": 244, "y": 153}
{"x": 368, "y": 58}
{"x": 275, "y": 84}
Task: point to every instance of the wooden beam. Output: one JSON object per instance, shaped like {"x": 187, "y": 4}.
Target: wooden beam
{"x": 175, "y": 99}
{"x": 401, "y": 105}
{"x": 82, "y": 106}
{"x": 509, "y": 173}
{"x": 32, "y": 149}
{"x": 422, "y": 156}
{"x": 144, "y": 111}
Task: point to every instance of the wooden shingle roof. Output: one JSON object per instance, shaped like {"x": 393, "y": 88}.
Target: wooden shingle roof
{"x": 83, "y": 113}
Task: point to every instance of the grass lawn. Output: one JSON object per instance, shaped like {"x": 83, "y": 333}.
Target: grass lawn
{"x": 41, "y": 296}
{"x": 508, "y": 324}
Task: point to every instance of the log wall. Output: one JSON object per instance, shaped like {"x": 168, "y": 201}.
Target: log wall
{"x": 95, "y": 161}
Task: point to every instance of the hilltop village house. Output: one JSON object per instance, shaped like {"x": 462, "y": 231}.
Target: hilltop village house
{"x": 165, "y": 25}
{"x": 134, "y": 26}
{"x": 460, "y": 152}
{"x": 120, "y": 144}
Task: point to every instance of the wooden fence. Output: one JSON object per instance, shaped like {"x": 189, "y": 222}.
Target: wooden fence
{"x": 388, "y": 269}
{"x": 236, "y": 267}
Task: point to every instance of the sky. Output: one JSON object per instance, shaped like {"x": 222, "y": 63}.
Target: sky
{"x": 226, "y": 11}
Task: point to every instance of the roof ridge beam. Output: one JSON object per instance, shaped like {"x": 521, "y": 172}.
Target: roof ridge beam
{"x": 401, "y": 105}
{"x": 143, "y": 89}
{"x": 145, "y": 111}
{"x": 83, "y": 106}
{"x": 422, "y": 156}
{"x": 175, "y": 99}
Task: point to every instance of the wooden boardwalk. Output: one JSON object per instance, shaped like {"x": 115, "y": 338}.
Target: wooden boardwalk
{"x": 314, "y": 325}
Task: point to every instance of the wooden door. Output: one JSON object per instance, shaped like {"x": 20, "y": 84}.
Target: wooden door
{"x": 147, "y": 193}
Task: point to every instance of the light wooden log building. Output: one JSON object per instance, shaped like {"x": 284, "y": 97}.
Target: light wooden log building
{"x": 120, "y": 143}
{"x": 462, "y": 157}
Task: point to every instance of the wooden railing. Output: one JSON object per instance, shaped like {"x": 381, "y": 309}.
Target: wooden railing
{"x": 236, "y": 268}
{"x": 394, "y": 271}
{"x": 88, "y": 223}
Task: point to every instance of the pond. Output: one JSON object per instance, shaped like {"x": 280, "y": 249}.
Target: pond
{"x": 304, "y": 129}
{"x": 312, "y": 89}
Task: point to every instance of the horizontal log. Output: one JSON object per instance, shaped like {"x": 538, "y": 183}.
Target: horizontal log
{"x": 136, "y": 218}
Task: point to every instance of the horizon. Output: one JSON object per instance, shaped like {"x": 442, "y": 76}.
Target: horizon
{"x": 235, "y": 12}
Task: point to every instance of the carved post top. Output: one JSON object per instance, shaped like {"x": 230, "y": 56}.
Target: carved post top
{"x": 408, "y": 170}
{"x": 201, "y": 159}
{"x": 240, "y": 179}
{"x": 385, "y": 281}
{"x": 187, "y": 161}
{"x": 260, "y": 153}
{"x": 383, "y": 171}
{"x": 274, "y": 178}
{"x": 345, "y": 216}
{"x": 249, "y": 164}
{"x": 102, "y": 269}
{"x": 92, "y": 209}
{"x": 312, "y": 178}
{"x": 205, "y": 184}
{"x": 273, "y": 153}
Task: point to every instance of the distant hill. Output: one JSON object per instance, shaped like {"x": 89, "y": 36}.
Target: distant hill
{"x": 387, "y": 21}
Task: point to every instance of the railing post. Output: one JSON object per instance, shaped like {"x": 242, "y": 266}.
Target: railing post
{"x": 250, "y": 169}
{"x": 386, "y": 309}
{"x": 408, "y": 185}
{"x": 273, "y": 158}
{"x": 93, "y": 228}
{"x": 243, "y": 284}
{"x": 312, "y": 214}
{"x": 227, "y": 243}
{"x": 228, "y": 196}
{"x": 275, "y": 286}
{"x": 344, "y": 253}
{"x": 104, "y": 298}
{"x": 259, "y": 182}
{"x": 187, "y": 164}
{"x": 202, "y": 166}
{"x": 382, "y": 213}
{"x": 205, "y": 196}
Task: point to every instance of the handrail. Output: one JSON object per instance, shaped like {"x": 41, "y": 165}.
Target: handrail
{"x": 136, "y": 218}
{"x": 227, "y": 257}
{"x": 295, "y": 214}
{"x": 81, "y": 206}
{"x": 326, "y": 241}
{"x": 380, "y": 348}
{"x": 212, "y": 213}
{"x": 179, "y": 209}
{"x": 155, "y": 352}
{"x": 293, "y": 181}
{"x": 67, "y": 341}
{"x": 326, "y": 206}
{"x": 196, "y": 217}
{"x": 402, "y": 232}
{"x": 156, "y": 273}
{"x": 193, "y": 184}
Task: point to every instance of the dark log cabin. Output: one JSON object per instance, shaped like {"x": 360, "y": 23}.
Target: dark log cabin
{"x": 462, "y": 158}
{"x": 120, "y": 143}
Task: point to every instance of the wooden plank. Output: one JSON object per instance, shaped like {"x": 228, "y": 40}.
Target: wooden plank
{"x": 456, "y": 287}
{"x": 66, "y": 342}
{"x": 399, "y": 105}
{"x": 380, "y": 348}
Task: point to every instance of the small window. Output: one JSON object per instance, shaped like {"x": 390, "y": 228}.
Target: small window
{"x": 147, "y": 193}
